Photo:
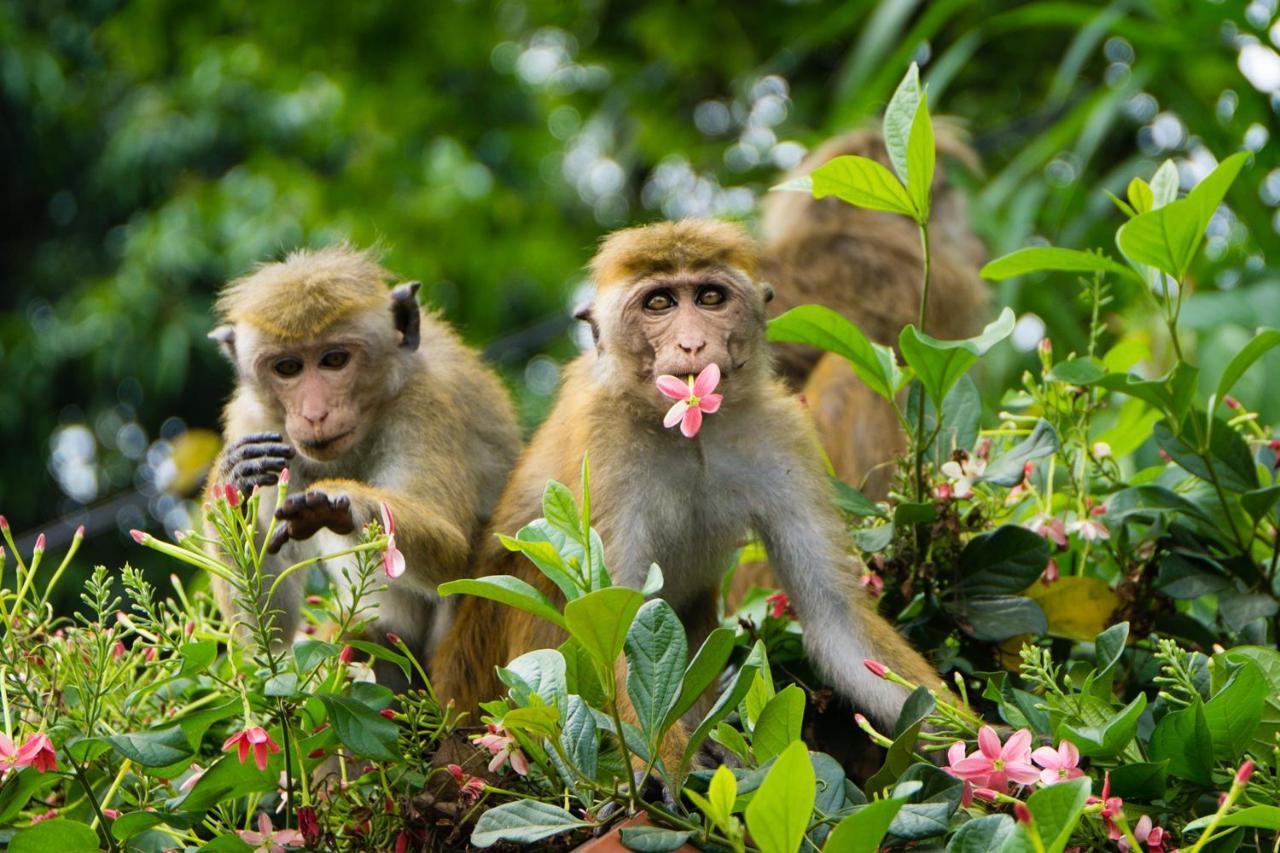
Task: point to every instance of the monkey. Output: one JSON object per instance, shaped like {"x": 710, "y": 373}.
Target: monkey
{"x": 867, "y": 266}
{"x": 674, "y": 298}
{"x": 368, "y": 399}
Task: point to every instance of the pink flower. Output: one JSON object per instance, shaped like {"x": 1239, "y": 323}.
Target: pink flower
{"x": 873, "y": 582}
{"x": 469, "y": 787}
{"x": 1089, "y": 529}
{"x": 503, "y": 747}
{"x": 693, "y": 397}
{"x": 268, "y": 839}
{"x": 1059, "y": 764}
{"x": 956, "y": 754}
{"x": 309, "y": 825}
{"x": 392, "y": 559}
{"x": 111, "y": 813}
{"x": 8, "y": 755}
{"x": 1050, "y": 574}
{"x": 1051, "y": 528}
{"x": 38, "y": 752}
{"x": 1245, "y": 771}
{"x": 944, "y": 492}
{"x": 964, "y": 472}
{"x": 876, "y": 668}
{"x": 995, "y": 765}
{"x": 1022, "y": 813}
{"x": 255, "y": 738}
{"x": 780, "y": 606}
{"x": 196, "y": 772}
{"x": 1147, "y": 833}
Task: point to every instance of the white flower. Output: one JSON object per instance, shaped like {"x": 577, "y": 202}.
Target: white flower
{"x": 963, "y": 474}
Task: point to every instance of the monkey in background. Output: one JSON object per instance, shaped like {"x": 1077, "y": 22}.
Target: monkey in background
{"x": 674, "y": 298}
{"x": 367, "y": 399}
{"x": 867, "y": 266}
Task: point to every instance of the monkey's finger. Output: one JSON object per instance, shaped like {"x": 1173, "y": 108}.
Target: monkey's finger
{"x": 256, "y": 451}
{"x": 278, "y": 539}
{"x": 264, "y": 480}
{"x": 255, "y": 467}
{"x": 258, "y": 438}
{"x": 340, "y": 502}
{"x": 316, "y": 499}
{"x": 291, "y": 508}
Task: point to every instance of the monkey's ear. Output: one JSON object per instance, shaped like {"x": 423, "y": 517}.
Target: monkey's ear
{"x": 226, "y": 338}
{"x": 408, "y": 317}
{"x": 586, "y": 313}
{"x": 768, "y": 291}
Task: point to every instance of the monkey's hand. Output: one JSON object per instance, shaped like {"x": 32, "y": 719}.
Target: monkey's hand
{"x": 302, "y": 516}
{"x": 255, "y": 460}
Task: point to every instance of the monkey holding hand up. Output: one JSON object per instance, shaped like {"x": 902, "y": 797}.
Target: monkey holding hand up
{"x": 368, "y": 400}
{"x": 676, "y": 298}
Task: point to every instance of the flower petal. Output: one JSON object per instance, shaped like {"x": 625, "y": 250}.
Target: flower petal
{"x": 707, "y": 380}
{"x": 388, "y": 521}
{"x": 675, "y": 414}
{"x": 1016, "y": 746}
{"x": 1069, "y": 753}
{"x": 692, "y": 422}
{"x": 673, "y": 386}
{"x": 989, "y": 742}
{"x": 1047, "y": 757}
{"x": 710, "y": 403}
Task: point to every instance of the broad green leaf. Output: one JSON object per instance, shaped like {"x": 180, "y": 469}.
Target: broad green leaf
{"x": 982, "y": 835}
{"x": 538, "y": 719}
{"x": 360, "y": 728}
{"x": 1168, "y": 237}
{"x": 599, "y": 620}
{"x": 862, "y": 831}
{"x": 653, "y": 581}
{"x": 561, "y": 510}
{"x": 920, "y": 159}
{"x": 653, "y": 839}
{"x": 1172, "y": 393}
{"x": 523, "y": 822}
{"x": 578, "y": 737}
{"x": 1007, "y": 469}
{"x": 779, "y": 723}
{"x": 1109, "y": 646}
{"x": 541, "y": 671}
{"x": 196, "y": 657}
{"x": 732, "y": 740}
{"x": 657, "y": 651}
{"x": 855, "y": 502}
{"x": 86, "y": 749}
{"x": 1140, "y": 780}
{"x": 507, "y": 590}
{"x": 940, "y": 364}
{"x": 906, "y": 731}
{"x": 899, "y": 121}
{"x": 1260, "y": 501}
{"x": 863, "y": 183}
{"x": 721, "y": 794}
{"x": 1182, "y": 739}
{"x": 1050, "y": 258}
{"x": 727, "y": 701}
{"x": 1164, "y": 184}
{"x": 992, "y": 618}
{"x": 381, "y": 652}
{"x": 1234, "y": 711}
{"x": 1140, "y": 195}
{"x": 1078, "y": 371}
{"x": 1228, "y": 460}
{"x": 61, "y": 834}
{"x": 542, "y": 550}
{"x": 580, "y": 673}
{"x": 153, "y": 749}
{"x": 1057, "y": 809}
{"x": 802, "y": 184}
{"x": 703, "y": 670}
{"x": 1005, "y": 560}
{"x": 1108, "y": 738}
{"x": 820, "y": 327}
{"x": 311, "y": 653}
{"x": 779, "y": 813}
{"x": 135, "y": 823}
{"x": 228, "y": 779}
{"x": 1264, "y": 340}
{"x": 932, "y": 795}
{"x": 1258, "y": 817}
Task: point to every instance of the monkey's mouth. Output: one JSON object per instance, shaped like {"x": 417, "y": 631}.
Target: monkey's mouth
{"x": 322, "y": 444}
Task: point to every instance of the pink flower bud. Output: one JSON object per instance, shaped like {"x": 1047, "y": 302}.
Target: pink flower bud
{"x": 117, "y": 650}
{"x": 138, "y": 536}
{"x": 877, "y": 669}
{"x": 232, "y": 494}
{"x": 40, "y": 543}
{"x": 1245, "y": 771}
{"x": 111, "y": 813}
{"x": 1045, "y": 346}
{"x": 393, "y": 638}
{"x": 1101, "y": 449}
{"x": 1232, "y": 402}
{"x": 1022, "y": 813}
{"x": 346, "y": 654}
{"x": 1164, "y": 455}
{"x": 4, "y": 523}
{"x": 150, "y": 654}
{"x": 79, "y": 534}
{"x": 314, "y": 599}
{"x": 284, "y": 477}
{"x": 388, "y": 713}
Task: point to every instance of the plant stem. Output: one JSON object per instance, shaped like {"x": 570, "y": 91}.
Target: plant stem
{"x": 924, "y": 290}
{"x": 288, "y": 768}
{"x": 93, "y": 801}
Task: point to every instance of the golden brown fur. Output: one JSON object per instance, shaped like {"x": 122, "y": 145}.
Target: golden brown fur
{"x": 437, "y": 433}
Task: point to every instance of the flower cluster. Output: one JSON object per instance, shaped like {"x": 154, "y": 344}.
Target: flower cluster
{"x": 36, "y": 751}
{"x": 991, "y": 768}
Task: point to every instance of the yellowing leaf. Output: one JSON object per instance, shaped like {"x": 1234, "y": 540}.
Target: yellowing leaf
{"x": 1077, "y": 608}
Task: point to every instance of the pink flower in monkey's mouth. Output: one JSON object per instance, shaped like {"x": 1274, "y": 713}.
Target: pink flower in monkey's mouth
{"x": 392, "y": 559}
{"x": 693, "y": 398}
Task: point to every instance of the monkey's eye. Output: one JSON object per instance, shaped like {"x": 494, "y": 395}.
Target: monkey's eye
{"x": 711, "y": 295}
{"x": 288, "y": 366}
{"x": 335, "y": 359}
{"x": 659, "y": 301}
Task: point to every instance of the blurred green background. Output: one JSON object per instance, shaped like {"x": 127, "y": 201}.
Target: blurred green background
{"x": 151, "y": 150}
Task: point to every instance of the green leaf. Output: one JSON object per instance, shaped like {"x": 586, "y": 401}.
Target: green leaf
{"x": 541, "y": 544}
{"x": 60, "y": 833}
{"x": 600, "y": 620}
{"x": 1140, "y": 195}
{"x": 311, "y": 653}
{"x": 727, "y": 701}
{"x": 523, "y": 822}
{"x": 1078, "y": 371}
{"x": 1257, "y": 817}
{"x": 1182, "y": 739}
{"x": 992, "y": 618}
{"x": 1260, "y": 501}
{"x": 1108, "y": 738}
{"x": 1109, "y": 646}
{"x": 1227, "y": 453}
{"x": 653, "y": 839}
{"x": 657, "y": 651}
{"x": 1234, "y": 711}
{"x": 579, "y": 737}
{"x": 863, "y": 183}
{"x": 86, "y": 749}
{"x": 818, "y": 326}
{"x": 1007, "y": 470}
{"x": 561, "y": 510}
{"x": 1140, "y": 780}
{"x": 906, "y": 730}
{"x": 153, "y": 749}
{"x": 982, "y": 835}
{"x": 702, "y": 671}
{"x": 1172, "y": 393}
{"x": 899, "y": 122}
{"x": 779, "y": 813}
{"x": 1164, "y": 184}
{"x": 196, "y": 657}
{"x": 722, "y": 792}
{"x": 1005, "y": 560}
{"x": 862, "y": 831}
{"x": 580, "y": 673}
{"x": 1168, "y": 237}
{"x": 920, "y": 159}
{"x": 381, "y": 652}
{"x": 940, "y": 364}
{"x": 1263, "y": 341}
{"x": 540, "y": 672}
{"x": 779, "y": 723}
{"x": 228, "y": 779}
{"x": 1050, "y": 258}
{"x": 932, "y": 796}
{"x": 1057, "y": 809}
{"x": 360, "y": 728}
{"x": 507, "y": 590}
{"x": 855, "y": 502}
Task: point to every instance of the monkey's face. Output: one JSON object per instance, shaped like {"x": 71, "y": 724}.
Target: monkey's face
{"x": 681, "y": 322}
{"x": 316, "y": 385}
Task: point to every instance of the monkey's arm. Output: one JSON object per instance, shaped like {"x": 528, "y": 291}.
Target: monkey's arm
{"x": 436, "y": 548}
{"x": 805, "y": 540}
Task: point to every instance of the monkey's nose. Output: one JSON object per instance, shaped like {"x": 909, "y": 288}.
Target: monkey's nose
{"x": 692, "y": 347}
